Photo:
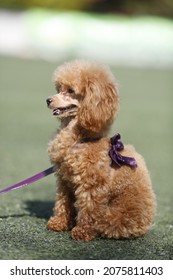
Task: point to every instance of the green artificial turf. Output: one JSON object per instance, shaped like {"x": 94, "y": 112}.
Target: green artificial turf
{"x": 145, "y": 119}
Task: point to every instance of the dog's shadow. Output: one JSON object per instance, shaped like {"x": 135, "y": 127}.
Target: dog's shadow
{"x": 39, "y": 209}
{"x": 36, "y": 208}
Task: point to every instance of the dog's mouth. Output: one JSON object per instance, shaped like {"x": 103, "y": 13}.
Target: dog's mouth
{"x": 60, "y": 111}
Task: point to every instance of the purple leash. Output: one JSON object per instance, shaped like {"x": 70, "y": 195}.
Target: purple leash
{"x": 30, "y": 180}
{"x": 117, "y": 158}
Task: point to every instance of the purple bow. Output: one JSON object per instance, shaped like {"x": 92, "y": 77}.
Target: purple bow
{"x": 116, "y": 157}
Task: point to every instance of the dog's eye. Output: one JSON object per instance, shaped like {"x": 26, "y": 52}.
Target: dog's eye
{"x": 58, "y": 89}
{"x": 70, "y": 90}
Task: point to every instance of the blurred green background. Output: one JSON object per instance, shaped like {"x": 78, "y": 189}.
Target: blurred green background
{"x": 26, "y": 125}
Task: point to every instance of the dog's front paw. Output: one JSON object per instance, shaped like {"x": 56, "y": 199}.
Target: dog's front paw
{"x": 84, "y": 233}
{"x": 57, "y": 223}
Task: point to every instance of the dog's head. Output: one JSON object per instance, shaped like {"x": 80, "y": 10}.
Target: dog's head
{"x": 86, "y": 91}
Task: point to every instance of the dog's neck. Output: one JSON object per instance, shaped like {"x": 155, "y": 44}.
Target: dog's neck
{"x": 82, "y": 135}
{"x": 85, "y": 135}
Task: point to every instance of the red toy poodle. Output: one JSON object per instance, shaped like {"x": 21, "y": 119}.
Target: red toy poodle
{"x": 103, "y": 187}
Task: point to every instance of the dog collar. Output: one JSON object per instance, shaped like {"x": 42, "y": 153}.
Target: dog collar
{"x": 88, "y": 139}
{"x": 117, "y": 158}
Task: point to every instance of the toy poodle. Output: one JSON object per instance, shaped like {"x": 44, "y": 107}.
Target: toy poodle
{"x": 103, "y": 187}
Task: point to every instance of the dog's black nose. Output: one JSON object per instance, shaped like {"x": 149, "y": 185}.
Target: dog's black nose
{"x": 48, "y": 101}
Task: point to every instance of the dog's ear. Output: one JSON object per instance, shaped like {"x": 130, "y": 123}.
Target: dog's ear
{"x": 99, "y": 106}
